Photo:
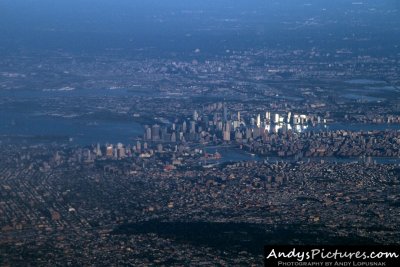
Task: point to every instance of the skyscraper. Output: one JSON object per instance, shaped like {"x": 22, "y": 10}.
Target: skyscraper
{"x": 173, "y": 137}
{"x": 289, "y": 116}
{"x": 120, "y": 151}
{"x": 192, "y": 127}
{"x": 227, "y": 132}
{"x": 276, "y": 118}
{"x": 195, "y": 115}
{"x": 184, "y": 127}
{"x": 98, "y": 150}
{"x": 296, "y": 119}
{"x": 155, "y": 132}
{"x": 268, "y": 116}
{"x": 148, "y": 133}
{"x": 225, "y": 112}
{"x": 109, "y": 151}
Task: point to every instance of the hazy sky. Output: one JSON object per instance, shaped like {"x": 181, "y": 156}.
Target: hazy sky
{"x": 48, "y": 23}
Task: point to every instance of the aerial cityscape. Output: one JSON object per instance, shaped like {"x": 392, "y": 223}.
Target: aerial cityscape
{"x": 194, "y": 133}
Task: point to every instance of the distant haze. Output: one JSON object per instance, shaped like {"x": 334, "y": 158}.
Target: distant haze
{"x": 176, "y": 26}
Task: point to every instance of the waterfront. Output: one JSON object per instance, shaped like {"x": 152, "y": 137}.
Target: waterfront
{"x": 34, "y": 127}
{"x": 234, "y": 154}
{"x": 28, "y": 128}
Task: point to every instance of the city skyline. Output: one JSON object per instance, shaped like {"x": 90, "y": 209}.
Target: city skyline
{"x": 194, "y": 133}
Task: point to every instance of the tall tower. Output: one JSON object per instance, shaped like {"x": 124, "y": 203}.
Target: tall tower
{"x": 268, "y": 116}
{"x": 184, "y": 127}
{"x": 173, "y": 137}
{"x": 225, "y": 112}
{"x": 148, "y": 133}
{"x": 155, "y": 132}
{"x": 276, "y": 118}
{"x": 192, "y": 127}
{"x": 109, "y": 151}
{"x": 120, "y": 151}
{"x": 98, "y": 150}
{"x": 227, "y": 132}
{"x": 195, "y": 115}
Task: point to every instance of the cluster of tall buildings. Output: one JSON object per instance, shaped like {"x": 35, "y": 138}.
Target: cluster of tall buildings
{"x": 219, "y": 125}
{"x": 119, "y": 151}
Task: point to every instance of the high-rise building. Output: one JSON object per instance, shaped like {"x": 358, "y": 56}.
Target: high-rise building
{"x": 155, "y": 132}
{"x": 173, "y": 137}
{"x": 268, "y": 116}
{"x": 184, "y": 127}
{"x": 236, "y": 124}
{"x": 109, "y": 151}
{"x": 228, "y": 126}
{"x": 267, "y": 128}
{"x": 227, "y": 132}
{"x": 192, "y": 126}
{"x": 220, "y": 126}
{"x": 259, "y": 121}
{"x": 227, "y": 136}
{"x": 303, "y": 119}
{"x": 148, "y": 133}
{"x": 164, "y": 134}
{"x": 98, "y": 150}
{"x": 276, "y": 118}
{"x": 296, "y": 119}
{"x": 89, "y": 155}
{"x": 195, "y": 115}
{"x": 225, "y": 112}
{"x": 121, "y": 151}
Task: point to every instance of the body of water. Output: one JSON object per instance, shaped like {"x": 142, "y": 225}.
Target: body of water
{"x": 22, "y": 126}
{"x": 32, "y": 127}
{"x": 234, "y": 154}
{"x": 364, "y": 81}
{"x": 362, "y": 98}
{"x": 336, "y": 126}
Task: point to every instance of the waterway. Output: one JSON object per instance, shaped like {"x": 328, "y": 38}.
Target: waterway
{"x": 234, "y": 154}
{"x": 25, "y": 126}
